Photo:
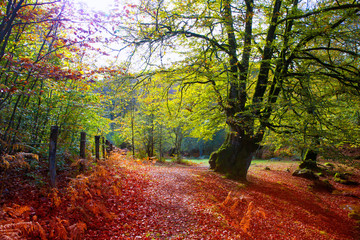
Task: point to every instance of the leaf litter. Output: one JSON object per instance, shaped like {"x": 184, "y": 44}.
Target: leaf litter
{"x": 126, "y": 199}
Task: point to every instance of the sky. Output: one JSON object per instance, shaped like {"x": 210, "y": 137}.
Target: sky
{"x": 101, "y": 5}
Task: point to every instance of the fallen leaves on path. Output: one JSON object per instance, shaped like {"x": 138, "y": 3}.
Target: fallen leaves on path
{"x": 126, "y": 199}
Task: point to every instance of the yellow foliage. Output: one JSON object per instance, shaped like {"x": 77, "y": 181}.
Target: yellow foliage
{"x": 10, "y": 162}
{"x": 4, "y": 163}
{"x": 100, "y": 172}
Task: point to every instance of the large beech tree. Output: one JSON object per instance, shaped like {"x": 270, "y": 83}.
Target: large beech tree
{"x": 250, "y": 52}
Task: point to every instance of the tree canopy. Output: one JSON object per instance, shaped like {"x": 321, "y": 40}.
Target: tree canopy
{"x": 280, "y": 72}
{"x": 280, "y": 66}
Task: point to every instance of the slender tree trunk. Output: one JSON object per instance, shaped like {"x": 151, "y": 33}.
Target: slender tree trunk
{"x": 132, "y": 131}
{"x": 160, "y": 143}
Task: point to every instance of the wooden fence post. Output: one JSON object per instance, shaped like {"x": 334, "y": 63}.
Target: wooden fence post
{"x": 82, "y": 145}
{"x": 107, "y": 143}
{"x": 103, "y": 148}
{"x": 97, "y": 147}
{"x": 52, "y": 155}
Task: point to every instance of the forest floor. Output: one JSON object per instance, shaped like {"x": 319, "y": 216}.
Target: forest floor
{"x": 126, "y": 199}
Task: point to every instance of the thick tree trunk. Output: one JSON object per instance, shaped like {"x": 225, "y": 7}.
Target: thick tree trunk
{"x": 234, "y": 157}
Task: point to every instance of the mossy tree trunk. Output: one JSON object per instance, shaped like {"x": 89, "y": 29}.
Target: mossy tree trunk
{"x": 309, "y": 160}
{"x": 234, "y": 157}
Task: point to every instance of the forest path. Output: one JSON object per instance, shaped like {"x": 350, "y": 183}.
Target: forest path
{"x": 174, "y": 209}
{"x": 171, "y": 201}
{"x": 123, "y": 198}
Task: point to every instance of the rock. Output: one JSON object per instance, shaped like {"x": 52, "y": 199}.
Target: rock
{"x": 354, "y": 215}
{"x": 322, "y": 185}
{"x": 343, "y": 178}
{"x": 345, "y": 182}
{"x": 309, "y": 164}
{"x": 305, "y": 173}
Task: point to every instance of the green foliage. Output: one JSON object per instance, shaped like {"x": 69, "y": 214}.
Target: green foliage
{"x": 44, "y": 81}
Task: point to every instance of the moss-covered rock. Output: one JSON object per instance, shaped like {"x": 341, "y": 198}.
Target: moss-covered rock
{"x": 305, "y": 173}
{"x": 322, "y": 185}
{"x": 309, "y": 164}
{"x": 354, "y": 214}
{"x": 343, "y": 178}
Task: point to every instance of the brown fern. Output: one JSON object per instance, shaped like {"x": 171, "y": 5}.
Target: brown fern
{"x": 77, "y": 231}
{"x": 54, "y": 197}
{"x": 245, "y": 221}
{"x": 16, "y": 210}
{"x": 22, "y": 230}
{"x": 58, "y": 229}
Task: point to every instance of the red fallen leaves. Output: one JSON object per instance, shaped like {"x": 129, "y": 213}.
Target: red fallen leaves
{"x": 124, "y": 199}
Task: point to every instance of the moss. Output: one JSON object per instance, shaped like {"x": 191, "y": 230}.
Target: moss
{"x": 329, "y": 165}
{"x": 309, "y": 164}
{"x": 241, "y": 185}
{"x": 343, "y": 178}
{"x": 305, "y": 173}
{"x": 354, "y": 214}
{"x": 232, "y": 160}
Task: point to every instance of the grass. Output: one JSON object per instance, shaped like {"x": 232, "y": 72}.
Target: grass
{"x": 268, "y": 161}
{"x": 191, "y": 161}
{"x": 255, "y": 162}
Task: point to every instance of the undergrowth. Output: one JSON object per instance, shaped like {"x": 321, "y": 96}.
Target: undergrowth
{"x": 66, "y": 212}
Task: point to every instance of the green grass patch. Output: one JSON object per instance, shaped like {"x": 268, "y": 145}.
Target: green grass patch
{"x": 191, "y": 161}
{"x": 268, "y": 161}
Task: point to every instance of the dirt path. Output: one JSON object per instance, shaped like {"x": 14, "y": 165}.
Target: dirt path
{"x": 171, "y": 208}
{"x": 182, "y": 202}
{"x": 179, "y": 209}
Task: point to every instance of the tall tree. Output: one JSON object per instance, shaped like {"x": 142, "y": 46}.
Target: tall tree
{"x": 250, "y": 52}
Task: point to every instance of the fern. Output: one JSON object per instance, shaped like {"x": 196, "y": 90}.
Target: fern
{"x": 4, "y": 162}
{"x": 245, "y": 221}
{"x": 54, "y": 197}
{"x": 58, "y": 229}
{"x": 251, "y": 213}
{"x": 22, "y": 230}
{"x": 77, "y": 230}
{"x": 16, "y": 210}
